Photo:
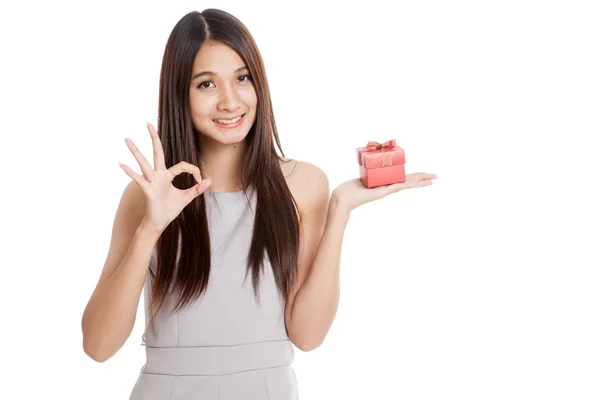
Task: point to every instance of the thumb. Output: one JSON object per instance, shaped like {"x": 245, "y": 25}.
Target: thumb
{"x": 197, "y": 189}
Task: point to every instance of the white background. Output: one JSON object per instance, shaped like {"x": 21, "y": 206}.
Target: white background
{"x": 484, "y": 285}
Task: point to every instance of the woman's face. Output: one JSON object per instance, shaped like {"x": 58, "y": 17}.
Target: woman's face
{"x": 227, "y": 93}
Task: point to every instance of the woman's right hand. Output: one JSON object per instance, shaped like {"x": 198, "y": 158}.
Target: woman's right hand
{"x": 164, "y": 202}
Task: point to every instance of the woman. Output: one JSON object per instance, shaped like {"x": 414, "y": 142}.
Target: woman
{"x": 211, "y": 333}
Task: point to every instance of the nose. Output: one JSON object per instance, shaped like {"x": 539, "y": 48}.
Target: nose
{"x": 229, "y": 100}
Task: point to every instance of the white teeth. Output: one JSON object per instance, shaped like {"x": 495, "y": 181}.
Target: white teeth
{"x": 228, "y": 121}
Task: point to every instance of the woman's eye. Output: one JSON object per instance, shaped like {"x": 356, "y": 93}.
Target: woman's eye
{"x": 202, "y": 85}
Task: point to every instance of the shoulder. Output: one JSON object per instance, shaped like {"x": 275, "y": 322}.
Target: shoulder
{"x": 303, "y": 177}
{"x": 308, "y": 183}
{"x": 134, "y": 195}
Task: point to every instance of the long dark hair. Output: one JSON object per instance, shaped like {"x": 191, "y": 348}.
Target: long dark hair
{"x": 277, "y": 217}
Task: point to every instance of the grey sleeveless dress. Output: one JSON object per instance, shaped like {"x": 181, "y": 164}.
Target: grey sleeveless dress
{"x": 225, "y": 345}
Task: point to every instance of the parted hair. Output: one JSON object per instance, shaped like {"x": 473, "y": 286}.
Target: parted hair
{"x": 277, "y": 221}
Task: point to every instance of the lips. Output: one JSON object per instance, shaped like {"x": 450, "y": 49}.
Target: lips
{"x": 233, "y": 125}
{"x": 228, "y": 119}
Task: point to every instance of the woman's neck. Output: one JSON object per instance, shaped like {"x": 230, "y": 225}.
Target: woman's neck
{"x": 222, "y": 164}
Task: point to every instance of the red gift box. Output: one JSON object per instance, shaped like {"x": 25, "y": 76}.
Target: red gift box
{"x": 381, "y": 163}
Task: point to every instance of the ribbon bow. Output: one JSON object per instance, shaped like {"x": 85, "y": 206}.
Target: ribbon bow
{"x": 386, "y": 159}
{"x": 372, "y": 145}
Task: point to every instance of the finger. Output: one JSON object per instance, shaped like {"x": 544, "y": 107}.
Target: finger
{"x": 416, "y": 184}
{"x": 396, "y": 187}
{"x": 186, "y": 167}
{"x": 424, "y": 176}
{"x": 144, "y": 164}
{"x": 418, "y": 176}
{"x": 135, "y": 176}
{"x": 159, "y": 153}
{"x": 196, "y": 190}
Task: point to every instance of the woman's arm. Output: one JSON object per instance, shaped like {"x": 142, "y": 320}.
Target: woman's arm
{"x": 316, "y": 302}
{"x": 315, "y": 298}
{"x": 110, "y": 314}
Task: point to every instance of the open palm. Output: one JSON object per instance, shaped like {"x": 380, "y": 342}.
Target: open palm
{"x": 353, "y": 193}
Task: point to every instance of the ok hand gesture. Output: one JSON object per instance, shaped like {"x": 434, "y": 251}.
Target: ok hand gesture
{"x": 164, "y": 202}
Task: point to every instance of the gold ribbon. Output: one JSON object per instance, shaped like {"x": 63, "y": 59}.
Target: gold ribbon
{"x": 386, "y": 156}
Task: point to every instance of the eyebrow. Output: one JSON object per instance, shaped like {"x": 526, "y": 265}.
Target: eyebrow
{"x": 212, "y": 73}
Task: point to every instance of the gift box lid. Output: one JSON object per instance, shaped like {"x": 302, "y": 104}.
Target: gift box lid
{"x": 377, "y": 155}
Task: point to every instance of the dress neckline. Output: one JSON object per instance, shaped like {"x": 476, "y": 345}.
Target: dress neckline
{"x": 234, "y": 192}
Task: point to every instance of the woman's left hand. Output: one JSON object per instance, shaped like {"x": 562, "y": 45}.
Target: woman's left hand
{"x": 354, "y": 193}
